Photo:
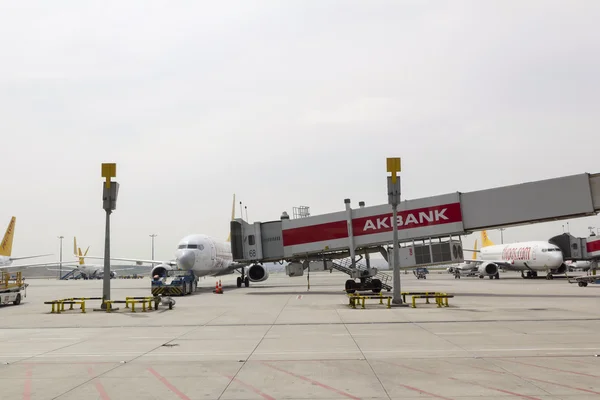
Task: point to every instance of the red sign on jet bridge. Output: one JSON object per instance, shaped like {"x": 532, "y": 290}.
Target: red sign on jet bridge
{"x": 374, "y": 224}
{"x": 593, "y": 246}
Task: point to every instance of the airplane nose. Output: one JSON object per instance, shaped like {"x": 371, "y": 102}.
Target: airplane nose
{"x": 186, "y": 260}
{"x": 558, "y": 258}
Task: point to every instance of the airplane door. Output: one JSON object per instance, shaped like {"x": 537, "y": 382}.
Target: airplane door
{"x": 533, "y": 253}
{"x": 213, "y": 252}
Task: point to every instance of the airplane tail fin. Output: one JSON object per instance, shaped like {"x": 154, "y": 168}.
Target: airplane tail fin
{"x": 77, "y": 251}
{"x": 232, "y": 216}
{"x": 475, "y": 250}
{"x": 7, "y": 241}
{"x": 485, "y": 240}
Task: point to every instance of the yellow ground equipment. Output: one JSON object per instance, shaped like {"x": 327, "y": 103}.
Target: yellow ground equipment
{"x": 357, "y": 298}
{"x": 11, "y": 287}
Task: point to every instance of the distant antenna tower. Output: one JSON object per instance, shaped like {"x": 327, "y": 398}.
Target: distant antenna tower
{"x": 301, "y": 212}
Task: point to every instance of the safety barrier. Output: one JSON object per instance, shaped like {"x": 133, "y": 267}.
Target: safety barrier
{"x": 58, "y": 306}
{"x": 136, "y": 300}
{"x": 441, "y": 299}
{"x": 353, "y": 298}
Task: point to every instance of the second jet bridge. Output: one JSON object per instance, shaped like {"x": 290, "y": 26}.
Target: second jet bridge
{"x": 369, "y": 229}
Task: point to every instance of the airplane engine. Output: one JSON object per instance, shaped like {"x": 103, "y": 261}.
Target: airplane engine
{"x": 257, "y": 273}
{"x": 560, "y": 270}
{"x": 488, "y": 269}
{"x": 294, "y": 269}
{"x": 160, "y": 270}
{"x": 113, "y": 274}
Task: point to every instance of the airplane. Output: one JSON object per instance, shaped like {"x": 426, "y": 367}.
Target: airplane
{"x": 205, "y": 256}
{"x": 87, "y": 271}
{"x": 530, "y": 257}
{"x": 465, "y": 267}
{"x": 582, "y": 265}
{"x": 6, "y": 259}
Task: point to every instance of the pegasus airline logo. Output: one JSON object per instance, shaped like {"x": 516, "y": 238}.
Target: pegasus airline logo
{"x": 8, "y": 234}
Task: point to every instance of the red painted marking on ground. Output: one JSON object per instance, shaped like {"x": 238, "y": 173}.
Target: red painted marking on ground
{"x": 27, "y": 388}
{"x": 299, "y": 297}
{"x": 563, "y": 385}
{"x": 538, "y": 380}
{"x": 313, "y": 382}
{"x": 168, "y": 384}
{"x": 399, "y": 384}
{"x": 552, "y": 369}
{"x": 254, "y": 389}
{"x": 99, "y": 386}
{"x": 469, "y": 382}
{"x": 498, "y": 390}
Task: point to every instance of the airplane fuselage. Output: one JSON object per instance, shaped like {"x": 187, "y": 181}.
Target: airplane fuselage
{"x": 5, "y": 261}
{"x": 204, "y": 255}
{"x": 525, "y": 256}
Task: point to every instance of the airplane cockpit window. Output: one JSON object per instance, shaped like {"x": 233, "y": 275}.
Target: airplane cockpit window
{"x": 544, "y": 250}
{"x": 191, "y": 246}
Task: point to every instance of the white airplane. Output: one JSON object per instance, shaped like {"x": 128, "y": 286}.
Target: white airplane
{"x": 579, "y": 265}
{"x": 465, "y": 268}
{"x": 205, "y": 256}
{"x": 531, "y": 257}
{"x": 87, "y": 271}
{"x": 6, "y": 259}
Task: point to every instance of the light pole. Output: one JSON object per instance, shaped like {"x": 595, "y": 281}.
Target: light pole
{"x": 110, "y": 190}
{"x": 153, "y": 236}
{"x": 60, "y": 259}
{"x": 393, "y": 183}
{"x": 502, "y": 235}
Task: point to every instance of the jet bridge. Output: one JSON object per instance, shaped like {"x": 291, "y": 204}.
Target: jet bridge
{"x": 366, "y": 230}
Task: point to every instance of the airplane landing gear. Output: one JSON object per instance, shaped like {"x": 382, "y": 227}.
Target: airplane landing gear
{"x": 549, "y": 276}
{"x": 244, "y": 280}
{"x": 530, "y": 274}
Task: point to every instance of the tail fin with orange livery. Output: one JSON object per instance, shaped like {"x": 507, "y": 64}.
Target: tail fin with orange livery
{"x": 77, "y": 251}
{"x": 232, "y": 217}
{"x": 475, "y": 250}
{"x": 485, "y": 240}
{"x": 7, "y": 241}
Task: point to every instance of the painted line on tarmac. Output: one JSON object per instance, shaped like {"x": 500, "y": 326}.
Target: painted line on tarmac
{"x": 524, "y": 396}
{"x": 27, "y": 388}
{"x": 552, "y": 369}
{"x": 168, "y": 384}
{"x": 414, "y": 389}
{"x": 98, "y": 384}
{"x": 254, "y": 389}
{"x": 316, "y": 383}
{"x": 280, "y": 353}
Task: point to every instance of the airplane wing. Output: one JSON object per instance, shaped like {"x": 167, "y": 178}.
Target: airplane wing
{"x": 232, "y": 267}
{"x": 26, "y": 257}
{"x": 37, "y": 265}
{"x": 137, "y": 260}
{"x": 122, "y": 269}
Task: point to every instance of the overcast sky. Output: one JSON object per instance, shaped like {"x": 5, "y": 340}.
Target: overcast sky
{"x": 285, "y": 103}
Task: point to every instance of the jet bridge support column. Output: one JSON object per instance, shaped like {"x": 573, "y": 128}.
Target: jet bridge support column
{"x": 393, "y": 166}
{"x": 350, "y": 233}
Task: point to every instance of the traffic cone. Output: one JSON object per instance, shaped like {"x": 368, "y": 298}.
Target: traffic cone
{"x": 220, "y": 287}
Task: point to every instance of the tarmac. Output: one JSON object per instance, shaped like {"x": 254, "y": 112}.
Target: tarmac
{"x": 510, "y": 338}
